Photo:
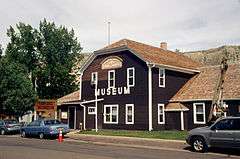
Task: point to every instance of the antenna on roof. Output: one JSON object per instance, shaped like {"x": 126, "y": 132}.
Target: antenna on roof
{"x": 109, "y": 24}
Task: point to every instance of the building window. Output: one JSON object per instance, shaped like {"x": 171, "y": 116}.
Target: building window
{"x": 161, "y": 77}
{"x": 94, "y": 78}
{"x": 199, "y": 113}
{"x": 91, "y": 110}
{"x": 111, "y": 79}
{"x": 130, "y": 77}
{"x": 110, "y": 114}
{"x": 161, "y": 114}
{"x": 129, "y": 114}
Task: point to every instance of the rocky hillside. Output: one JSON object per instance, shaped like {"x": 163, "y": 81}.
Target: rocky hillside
{"x": 214, "y": 56}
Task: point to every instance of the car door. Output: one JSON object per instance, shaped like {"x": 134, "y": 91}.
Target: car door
{"x": 222, "y": 134}
{"x": 237, "y": 132}
{"x": 29, "y": 128}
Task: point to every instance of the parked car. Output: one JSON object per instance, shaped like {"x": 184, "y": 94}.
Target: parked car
{"x": 43, "y": 128}
{"x": 224, "y": 133}
{"x": 9, "y": 126}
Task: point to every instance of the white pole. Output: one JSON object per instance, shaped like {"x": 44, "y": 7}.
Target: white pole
{"x": 109, "y": 23}
{"x": 96, "y": 118}
{"x": 182, "y": 121}
{"x": 150, "y": 97}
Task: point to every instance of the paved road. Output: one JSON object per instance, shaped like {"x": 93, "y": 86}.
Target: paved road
{"x": 14, "y": 147}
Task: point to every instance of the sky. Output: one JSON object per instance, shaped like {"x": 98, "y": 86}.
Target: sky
{"x": 186, "y": 25}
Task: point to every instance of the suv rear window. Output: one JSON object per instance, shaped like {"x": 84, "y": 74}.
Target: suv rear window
{"x": 51, "y": 122}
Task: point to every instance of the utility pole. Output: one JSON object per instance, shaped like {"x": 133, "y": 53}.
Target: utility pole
{"x": 109, "y": 25}
{"x": 96, "y": 110}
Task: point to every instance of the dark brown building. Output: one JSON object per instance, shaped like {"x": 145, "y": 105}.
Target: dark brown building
{"x": 137, "y": 86}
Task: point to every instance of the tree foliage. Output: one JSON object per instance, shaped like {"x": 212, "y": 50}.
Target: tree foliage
{"x": 48, "y": 53}
{"x": 16, "y": 93}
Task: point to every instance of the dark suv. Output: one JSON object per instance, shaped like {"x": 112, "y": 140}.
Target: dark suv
{"x": 9, "y": 126}
{"x": 224, "y": 133}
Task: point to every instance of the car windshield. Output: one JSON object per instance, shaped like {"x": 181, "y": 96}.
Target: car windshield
{"x": 10, "y": 121}
{"x": 51, "y": 122}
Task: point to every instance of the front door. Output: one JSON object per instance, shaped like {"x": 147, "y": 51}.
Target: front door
{"x": 71, "y": 117}
{"x": 222, "y": 135}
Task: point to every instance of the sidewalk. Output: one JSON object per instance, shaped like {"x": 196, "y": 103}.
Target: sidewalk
{"x": 129, "y": 141}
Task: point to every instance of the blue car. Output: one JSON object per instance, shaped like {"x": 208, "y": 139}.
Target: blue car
{"x": 43, "y": 128}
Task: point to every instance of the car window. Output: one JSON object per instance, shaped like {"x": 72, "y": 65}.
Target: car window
{"x": 35, "y": 123}
{"x": 225, "y": 124}
{"x": 1, "y": 122}
{"x": 10, "y": 121}
{"x": 236, "y": 124}
{"x": 51, "y": 122}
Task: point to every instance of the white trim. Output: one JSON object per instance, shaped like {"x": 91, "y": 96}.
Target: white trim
{"x": 114, "y": 80}
{"x": 128, "y": 76}
{"x": 126, "y": 113}
{"x": 80, "y": 86}
{"x": 91, "y": 101}
{"x": 150, "y": 127}
{"x": 163, "y": 77}
{"x": 104, "y": 114}
{"x": 175, "y": 110}
{"x": 163, "y": 114}
{"x": 195, "y": 113}
{"x": 182, "y": 120}
{"x": 200, "y": 100}
{"x": 93, "y": 111}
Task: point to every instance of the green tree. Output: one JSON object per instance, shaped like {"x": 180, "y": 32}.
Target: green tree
{"x": 1, "y": 51}
{"x": 48, "y": 53}
{"x": 16, "y": 93}
{"x": 22, "y": 48}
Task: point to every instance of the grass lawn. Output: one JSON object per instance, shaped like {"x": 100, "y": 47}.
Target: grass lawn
{"x": 171, "y": 135}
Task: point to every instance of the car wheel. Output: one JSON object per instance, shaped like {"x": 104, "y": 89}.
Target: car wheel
{"x": 198, "y": 144}
{"x": 2, "y": 132}
{"x": 41, "y": 136}
{"x": 23, "y": 134}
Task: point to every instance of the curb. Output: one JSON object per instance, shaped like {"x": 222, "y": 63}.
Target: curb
{"x": 125, "y": 137}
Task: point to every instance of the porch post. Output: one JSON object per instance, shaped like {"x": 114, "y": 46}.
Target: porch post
{"x": 182, "y": 120}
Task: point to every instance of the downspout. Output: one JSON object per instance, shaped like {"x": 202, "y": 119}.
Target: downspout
{"x": 150, "y": 66}
{"x": 84, "y": 116}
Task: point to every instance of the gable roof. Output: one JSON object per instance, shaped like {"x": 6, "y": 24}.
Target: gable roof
{"x": 151, "y": 54}
{"x": 203, "y": 85}
{"x": 175, "y": 106}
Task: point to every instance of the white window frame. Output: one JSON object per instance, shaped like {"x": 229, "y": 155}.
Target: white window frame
{"x": 195, "y": 114}
{"x": 91, "y": 112}
{"x": 128, "y": 76}
{"x": 162, "y": 77}
{"x": 104, "y": 114}
{"x": 96, "y": 74}
{"x": 163, "y": 113}
{"x": 114, "y": 80}
{"x": 126, "y": 113}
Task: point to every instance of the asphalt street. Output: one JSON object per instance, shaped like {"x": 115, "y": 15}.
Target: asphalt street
{"x": 15, "y": 147}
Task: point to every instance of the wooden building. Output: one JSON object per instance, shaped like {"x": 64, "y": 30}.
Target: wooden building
{"x": 136, "y": 86}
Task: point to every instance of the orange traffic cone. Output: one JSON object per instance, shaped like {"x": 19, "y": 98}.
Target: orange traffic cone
{"x": 60, "y": 136}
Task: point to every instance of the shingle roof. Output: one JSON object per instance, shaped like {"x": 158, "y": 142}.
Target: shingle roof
{"x": 175, "y": 106}
{"x": 69, "y": 98}
{"x": 155, "y": 54}
{"x": 203, "y": 85}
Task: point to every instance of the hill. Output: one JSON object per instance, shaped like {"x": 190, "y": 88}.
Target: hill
{"x": 215, "y": 55}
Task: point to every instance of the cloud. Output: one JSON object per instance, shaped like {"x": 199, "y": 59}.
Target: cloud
{"x": 186, "y": 25}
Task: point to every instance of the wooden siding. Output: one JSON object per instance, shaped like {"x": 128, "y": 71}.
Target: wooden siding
{"x": 138, "y": 95}
{"x": 174, "y": 81}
